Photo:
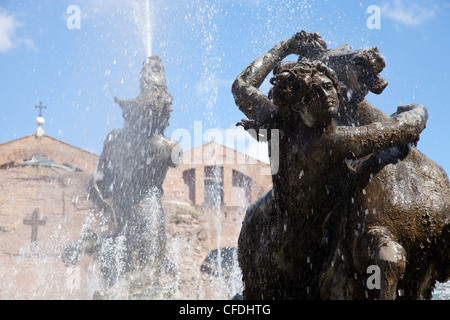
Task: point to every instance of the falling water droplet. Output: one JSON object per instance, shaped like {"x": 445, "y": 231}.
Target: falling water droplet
{"x": 302, "y": 173}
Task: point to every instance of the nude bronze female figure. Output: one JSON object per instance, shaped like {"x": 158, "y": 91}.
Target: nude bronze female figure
{"x": 314, "y": 236}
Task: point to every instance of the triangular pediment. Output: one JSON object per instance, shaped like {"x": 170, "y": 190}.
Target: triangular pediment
{"x": 46, "y": 151}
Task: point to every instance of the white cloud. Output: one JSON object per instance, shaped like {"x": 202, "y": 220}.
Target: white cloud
{"x": 8, "y": 40}
{"x": 410, "y": 14}
{"x": 7, "y": 26}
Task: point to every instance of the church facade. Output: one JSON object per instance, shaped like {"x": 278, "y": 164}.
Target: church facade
{"x": 45, "y": 206}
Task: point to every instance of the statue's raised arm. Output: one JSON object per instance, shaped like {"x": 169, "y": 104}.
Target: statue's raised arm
{"x": 250, "y": 100}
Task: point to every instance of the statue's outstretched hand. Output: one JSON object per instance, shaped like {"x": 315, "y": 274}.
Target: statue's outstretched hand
{"x": 415, "y": 113}
{"x": 247, "y": 124}
{"x": 306, "y": 44}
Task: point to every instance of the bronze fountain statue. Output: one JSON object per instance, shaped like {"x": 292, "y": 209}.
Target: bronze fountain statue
{"x": 128, "y": 186}
{"x": 351, "y": 194}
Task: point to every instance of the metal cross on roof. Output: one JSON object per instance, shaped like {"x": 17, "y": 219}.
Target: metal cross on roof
{"x": 40, "y": 107}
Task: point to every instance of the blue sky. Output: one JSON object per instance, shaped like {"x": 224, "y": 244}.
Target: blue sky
{"x": 204, "y": 46}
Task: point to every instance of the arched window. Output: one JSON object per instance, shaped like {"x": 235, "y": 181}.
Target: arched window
{"x": 242, "y": 189}
{"x": 189, "y": 181}
{"x": 213, "y": 186}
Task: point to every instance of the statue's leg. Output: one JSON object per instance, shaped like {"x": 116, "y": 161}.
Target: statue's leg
{"x": 443, "y": 256}
{"x": 145, "y": 236}
{"x": 390, "y": 257}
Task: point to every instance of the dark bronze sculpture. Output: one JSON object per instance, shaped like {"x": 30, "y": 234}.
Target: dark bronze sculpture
{"x": 352, "y": 192}
{"x": 128, "y": 185}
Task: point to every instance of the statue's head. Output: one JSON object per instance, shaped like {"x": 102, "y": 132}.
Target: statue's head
{"x": 310, "y": 89}
{"x": 150, "y": 112}
{"x": 152, "y": 74}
